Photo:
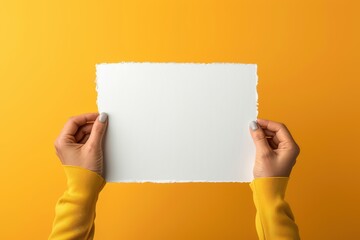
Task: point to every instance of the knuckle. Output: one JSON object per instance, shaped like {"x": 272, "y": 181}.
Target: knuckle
{"x": 56, "y": 144}
{"x": 71, "y": 119}
{"x": 295, "y": 148}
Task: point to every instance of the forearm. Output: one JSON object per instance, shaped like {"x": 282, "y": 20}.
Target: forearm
{"x": 75, "y": 210}
{"x": 274, "y": 218}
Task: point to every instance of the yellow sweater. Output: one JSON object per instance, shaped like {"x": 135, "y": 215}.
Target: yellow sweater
{"x": 75, "y": 210}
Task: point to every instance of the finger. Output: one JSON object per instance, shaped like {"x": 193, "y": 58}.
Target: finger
{"x": 276, "y": 140}
{"x": 84, "y": 139}
{"x": 76, "y": 122}
{"x": 272, "y": 135}
{"x": 259, "y": 137}
{"x": 280, "y": 130}
{"x": 98, "y": 130}
{"x": 82, "y": 131}
{"x": 272, "y": 144}
{"x": 269, "y": 133}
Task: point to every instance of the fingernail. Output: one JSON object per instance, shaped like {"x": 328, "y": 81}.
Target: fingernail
{"x": 253, "y": 125}
{"x": 103, "y": 116}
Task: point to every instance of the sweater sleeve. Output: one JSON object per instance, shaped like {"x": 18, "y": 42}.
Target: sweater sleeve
{"x": 274, "y": 218}
{"x": 75, "y": 210}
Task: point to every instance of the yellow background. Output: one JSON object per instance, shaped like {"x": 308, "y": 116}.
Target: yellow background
{"x": 308, "y": 65}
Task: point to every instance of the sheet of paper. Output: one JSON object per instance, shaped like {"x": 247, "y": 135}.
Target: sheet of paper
{"x": 178, "y": 122}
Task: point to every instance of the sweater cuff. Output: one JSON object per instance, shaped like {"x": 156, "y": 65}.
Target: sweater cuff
{"x": 83, "y": 181}
{"x": 270, "y": 187}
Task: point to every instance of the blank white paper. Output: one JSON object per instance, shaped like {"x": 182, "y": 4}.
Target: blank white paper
{"x": 178, "y": 122}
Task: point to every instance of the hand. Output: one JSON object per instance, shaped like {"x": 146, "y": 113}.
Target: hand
{"x": 276, "y": 150}
{"x": 80, "y": 142}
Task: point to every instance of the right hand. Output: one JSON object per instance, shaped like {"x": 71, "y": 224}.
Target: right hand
{"x": 276, "y": 150}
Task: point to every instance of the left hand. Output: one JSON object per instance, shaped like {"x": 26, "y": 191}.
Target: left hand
{"x": 80, "y": 142}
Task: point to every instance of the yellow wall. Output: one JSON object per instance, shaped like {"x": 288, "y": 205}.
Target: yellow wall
{"x": 308, "y": 64}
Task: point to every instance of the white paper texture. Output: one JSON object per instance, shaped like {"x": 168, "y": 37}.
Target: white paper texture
{"x": 178, "y": 122}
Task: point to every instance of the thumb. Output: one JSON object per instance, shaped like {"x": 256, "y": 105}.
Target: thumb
{"x": 259, "y": 137}
{"x": 98, "y": 130}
